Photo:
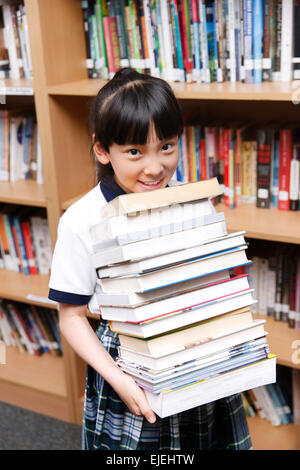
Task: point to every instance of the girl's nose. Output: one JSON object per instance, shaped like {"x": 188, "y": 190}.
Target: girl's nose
{"x": 153, "y": 169}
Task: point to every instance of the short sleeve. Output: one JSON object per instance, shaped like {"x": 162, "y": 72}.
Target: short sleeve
{"x": 73, "y": 277}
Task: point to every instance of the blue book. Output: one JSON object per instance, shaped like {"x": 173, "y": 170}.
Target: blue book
{"x": 248, "y": 38}
{"x": 178, "y": 47}
{"x": 16, "y": 224}
{"x": 277, "y": 403}
{"x": 179, "y": 169}
{"x": 28, "y": 135}
{"x": 210, "y": 29}
{"x": 197, "y": 148}
{"x": 275, "y": 175}
{"x": 258, "y": 29}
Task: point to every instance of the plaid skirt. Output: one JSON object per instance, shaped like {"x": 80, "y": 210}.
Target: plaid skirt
{"x": 109, "y": 425}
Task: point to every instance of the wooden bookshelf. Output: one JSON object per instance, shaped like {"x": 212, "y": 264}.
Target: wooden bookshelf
{"x": 62, "y": 92}
{"x": 25, "y": 192}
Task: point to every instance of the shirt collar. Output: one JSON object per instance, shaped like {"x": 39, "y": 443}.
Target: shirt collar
{"x": 110, "y": 189}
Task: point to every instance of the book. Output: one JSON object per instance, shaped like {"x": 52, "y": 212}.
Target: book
{"x": 198, "y": 332}
{"x": 112, "y": 44}
{"x": 196, "y": 268}
{"x": 265, "y": 149}
{"x": 182, "y": 354}
{"x": 177, "y": 302}
{"x": 286, "y": 41}
{"x": 152, "y": 223}
{"x": 258, "y": 29}
{"x": 167, "y": 260}
{"x": 295, "y": 179}
{"x": 285, "y": 156}
{"x": 249, "y": 171}
{"x": 135, "y": 299}
{"x": 185, "y": 316}
{"x": 134, "y": 202}
{"x": 174, "y": 401}
{"x": 158, "y": 245}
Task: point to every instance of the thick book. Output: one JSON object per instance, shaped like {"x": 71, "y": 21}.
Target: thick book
{"x": 186, "y": 316}
{"x": 265, "y": 148}
{"x": 177, "y": 302}
{"x": 170, "y": 259}
{"x": 135, "y": 299}
{"x": 198, "y": 332}
{"x": 150, "y": 224}
{"x": 285, "y": 156}
{"x": 200, "y": 267}
{"x": 159, "y": 245}
{"x": 134, "y": 202}
{"x": 244, "y": 378}
{"x": 183, "y": 353}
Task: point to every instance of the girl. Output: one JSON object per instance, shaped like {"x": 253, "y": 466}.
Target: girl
{"x": 136, "y": 126}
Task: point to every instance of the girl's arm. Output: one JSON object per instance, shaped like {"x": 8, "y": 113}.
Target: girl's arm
{"x": 75, "y": 327}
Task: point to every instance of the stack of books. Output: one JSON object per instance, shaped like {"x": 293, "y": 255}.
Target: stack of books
{"x": 164, "y": 263}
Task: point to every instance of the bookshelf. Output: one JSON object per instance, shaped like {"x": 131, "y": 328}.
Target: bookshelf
{"x": 62, "y": 94}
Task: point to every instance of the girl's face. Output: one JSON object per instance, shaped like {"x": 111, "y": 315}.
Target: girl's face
{"x": 140, "y": 168}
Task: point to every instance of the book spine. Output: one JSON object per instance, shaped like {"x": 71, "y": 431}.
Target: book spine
{"x": 266, "y": 42}
{"x": 203, "y": 160}
{"x": 296, "y": 41}
{"x": 17, "y": 232}
{"x": 101, "y": 12}
{"x": 231, "y": 66}
{"x": 122, "y": 33}
{"x": 285, "y": 155}
{"x": 197, "y": 150}
{"x": 29, "y": 247}
{"x": 210, "y": 27}
{"x": 258, "y": 28}
{"x": 286, "y": 41}
{"x": 12, "y": 243}
{"x": 179, "y": 169}
{"x": 272, "y": 32}
{"x": 205, "y": 74}
{"x": 178, "y": 45}
{"x": 112, "y": 45}
{"x": 275, "y": 175}
{"x": 295, "y": 179}
{"x": 150, "y": 32}
{"x": 279, "y": 287}
{"x": 277, "y": 53}
{"x": 237, "y": 166}
{"x": 248, "y": 36}
{"x": 292, "y": 292}
{"x": 138, "y": 13}
{"x": 89, "y": 60}
{"x": 10, "y": 42}
{"x": 226, "y": 144}
{"x": 264, "y": 149}
{"x": 169, "y": 72}
{"x": 231, "y": 183}
{"x": 196, "y": 35}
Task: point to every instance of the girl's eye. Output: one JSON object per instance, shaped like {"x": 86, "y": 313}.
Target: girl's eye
{"x": 134, "y": 152}
{"x": 167, "y": 147}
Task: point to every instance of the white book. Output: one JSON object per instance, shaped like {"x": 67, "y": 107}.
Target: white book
{"x": 286, "y": 41}
{"x": 16, "y": 148}
{"x": 135, "y": 299}
{"x": 164, "y": 261}
{"x": 10, "y": 42}
{"x": 179, "y": 273}
{"x": 185, "y": 317}
{"x": 159, "y": 245}
{"x": 177, "y": 302}
{"x": 42, "y": 243}
{"x": 175, "y": 401}
{"x": 183, "y": 353}
{"x": 169, "y": 73}
{"x": 156, "y": 222}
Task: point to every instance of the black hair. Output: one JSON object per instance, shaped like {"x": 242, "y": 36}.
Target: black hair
{"x": 123, "y": 109}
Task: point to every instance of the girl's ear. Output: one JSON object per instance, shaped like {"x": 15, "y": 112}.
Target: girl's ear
{"x": 101, "y": 154}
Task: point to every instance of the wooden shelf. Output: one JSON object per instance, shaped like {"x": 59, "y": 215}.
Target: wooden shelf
{"x": 25, "y": 192}
{"x": 266, "y": 224}
{"x": 274, "y": 91}
{"x": 19, "y": 87}
{"x": 265, "y": 436}
{"x": 280, "y": 339}
{"x": 31, "y": 289}
{"x": 44, "y": 373}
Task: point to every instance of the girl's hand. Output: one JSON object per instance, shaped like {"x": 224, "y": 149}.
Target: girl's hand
{"x": 134, "y": 397}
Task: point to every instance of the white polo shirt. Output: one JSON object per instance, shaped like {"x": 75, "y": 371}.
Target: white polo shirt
{"x": 73, "y": 276}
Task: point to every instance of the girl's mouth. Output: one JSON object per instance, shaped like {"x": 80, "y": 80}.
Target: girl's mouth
{"x": 155, "y": 184}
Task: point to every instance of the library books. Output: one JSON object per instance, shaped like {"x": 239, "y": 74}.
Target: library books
{"x": 167, "y": 260}
{"x": 186, "y": 316}
{"x": 173, "y": 401}
{"x": 201, "y": 331}
{"x": 152, "y": 223}
{"x": 136, "y": 299}
{"x": 180, "y": 354}
{"x": 173, "y": 303}
{"x": 158, "y": 245}
{"x": 185, "y": 271}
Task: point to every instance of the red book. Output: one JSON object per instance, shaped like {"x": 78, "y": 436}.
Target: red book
{"x": 226, "y": 143}
{"x": 285, "y": 156}
{"x": 183, "y": 25}
{"x": 202, "y": 152}
{"x": 28, "y": 247}
{"x": 112, "y": 44}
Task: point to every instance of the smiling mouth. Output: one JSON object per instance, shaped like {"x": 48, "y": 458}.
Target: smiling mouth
{"x": 152, "y": 183}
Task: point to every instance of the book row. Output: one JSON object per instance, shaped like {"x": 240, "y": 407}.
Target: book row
{"x": 20, "y": 149}
{"x": 259, "y": 165}
{"x": 25, "y": 244}
{"x": 275, "y": 402}
{"x": 276, "y": 280}
{"x": 30, "y": 328}
{"x": 164, "y": 285}
{"x": 15, "y": 56}
{"x": 194, "y": 40}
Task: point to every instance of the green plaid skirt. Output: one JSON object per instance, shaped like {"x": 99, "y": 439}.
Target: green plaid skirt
{"x": 109, "y": 425}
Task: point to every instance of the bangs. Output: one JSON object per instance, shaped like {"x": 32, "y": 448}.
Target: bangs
{"x": 126, "y": 118}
